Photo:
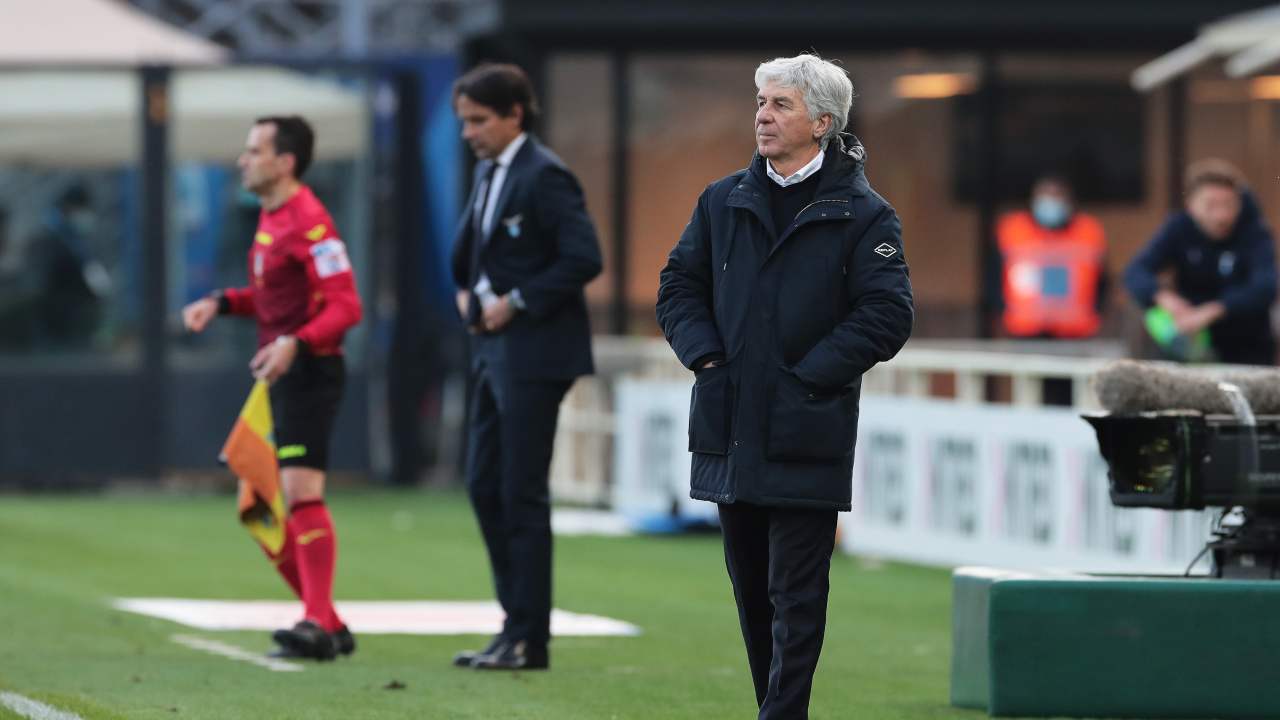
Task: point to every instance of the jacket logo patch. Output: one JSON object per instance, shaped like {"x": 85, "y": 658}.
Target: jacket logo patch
{"x": 316, "y": 233}
{"x": 264, "y": 238}
{"x": 885, "y": 250}
{"x": 513, "y": 225}
{"x": 330, "y": 258}
{"x": 1226, "y": 263}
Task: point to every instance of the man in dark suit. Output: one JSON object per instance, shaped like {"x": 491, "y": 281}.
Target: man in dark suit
{"x": 525, "y": 249}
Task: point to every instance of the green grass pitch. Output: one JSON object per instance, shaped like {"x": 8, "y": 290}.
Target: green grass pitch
{"x": 63, "y": 558}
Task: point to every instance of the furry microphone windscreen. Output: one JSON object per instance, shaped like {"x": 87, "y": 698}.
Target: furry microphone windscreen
{"x": 1127, "y": 387}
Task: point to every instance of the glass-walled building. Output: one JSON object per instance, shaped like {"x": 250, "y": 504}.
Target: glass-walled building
{"x": 120, "y": 202}
{"x": 960, "y": 111}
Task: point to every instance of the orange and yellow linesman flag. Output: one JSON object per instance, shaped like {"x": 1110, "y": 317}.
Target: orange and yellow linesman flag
{"x": 251, "y": 454}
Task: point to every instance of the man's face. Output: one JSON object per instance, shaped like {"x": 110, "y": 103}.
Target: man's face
{"x": 1214, "y": 208}
{"x": 783, "y": 127}
{"x": 485, "y": 130}
{"x": 261, "y": 167}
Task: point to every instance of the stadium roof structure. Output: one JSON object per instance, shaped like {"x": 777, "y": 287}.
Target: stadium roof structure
{"x": 72, "y": 97}
{"x": 828, "y": 26}
{"x": 90, "y": 118}
{"x": 1250, "y": 41}
{"x": 99, "y": 32}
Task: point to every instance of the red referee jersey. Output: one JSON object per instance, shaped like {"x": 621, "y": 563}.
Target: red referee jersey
{"x": 301, "y": 279}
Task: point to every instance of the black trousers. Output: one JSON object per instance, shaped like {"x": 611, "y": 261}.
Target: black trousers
{"x": 1260, "y": 352}
{"x": 511, "y": 431}
{"x": 779, "y": 561}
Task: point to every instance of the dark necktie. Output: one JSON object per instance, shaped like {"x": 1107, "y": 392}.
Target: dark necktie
{"x": 486, "y": 186}
{"x": 477, "y": 221}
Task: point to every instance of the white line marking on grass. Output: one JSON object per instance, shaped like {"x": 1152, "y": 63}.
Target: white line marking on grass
{"x": 371, "y": 617}
{"x": 566, "y": 521}
{"x": 235, "y": 653}
{"x": 28, "y": 708}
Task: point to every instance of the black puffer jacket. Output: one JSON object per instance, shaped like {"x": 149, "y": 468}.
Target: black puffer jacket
{"x": 798, "y": 319}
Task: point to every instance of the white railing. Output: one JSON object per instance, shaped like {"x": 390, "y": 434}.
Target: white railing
{"x": 973, "y": 369}
{"x": 969, "y": 371}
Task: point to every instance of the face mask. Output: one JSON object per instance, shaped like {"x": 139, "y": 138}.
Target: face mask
{"x": 1050, "y": 212}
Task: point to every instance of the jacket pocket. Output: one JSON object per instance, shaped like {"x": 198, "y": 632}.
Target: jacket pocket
{"x": 811, "y": 425}
{"x": 710, "y": 410}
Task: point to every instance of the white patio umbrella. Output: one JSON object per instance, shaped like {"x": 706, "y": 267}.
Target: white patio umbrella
{"x": 53, "y": 115}
{"x": 1250, "y": 41}
{"x": 98, "y": 32}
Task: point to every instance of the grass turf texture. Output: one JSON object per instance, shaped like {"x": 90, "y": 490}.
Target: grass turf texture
{"x": 62, "y": 558}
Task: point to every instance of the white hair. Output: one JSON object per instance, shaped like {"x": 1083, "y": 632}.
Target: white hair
{"x": 824, "y": 86}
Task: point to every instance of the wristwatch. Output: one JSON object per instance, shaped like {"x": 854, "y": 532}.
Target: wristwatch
{"x": 224, "y": 305}
{"x": 302, "y": 344}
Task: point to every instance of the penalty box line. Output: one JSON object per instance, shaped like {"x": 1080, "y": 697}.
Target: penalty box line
{"x": 34, "y": 709}
{"x": 216, "y": 647}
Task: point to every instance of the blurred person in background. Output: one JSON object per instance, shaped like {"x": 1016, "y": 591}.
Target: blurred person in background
{"x": 11, "y": 324}
{"x": 15, "y": 320}
{"x": 524, "y": 252}
{"x": 4, "y": 237}
{"x": 788, "y": 283}
{"x": 68, "y": 286}
{"x": 302, "y": 293}
{"x": 1052, "y": 273}
{"x": 1222, "y": 259}
{"x": 1053, "y": 266}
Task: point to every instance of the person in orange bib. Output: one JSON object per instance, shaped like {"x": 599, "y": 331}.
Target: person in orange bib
{"x": 1054, "y": 266}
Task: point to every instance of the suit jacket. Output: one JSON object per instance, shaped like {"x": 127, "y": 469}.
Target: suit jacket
{"x": 542, "y": 242}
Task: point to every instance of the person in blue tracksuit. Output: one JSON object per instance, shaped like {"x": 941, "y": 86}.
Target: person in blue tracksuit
{"x": 1222, "y": 258}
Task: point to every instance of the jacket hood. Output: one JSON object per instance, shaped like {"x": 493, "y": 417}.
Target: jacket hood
{"x": 845, "y": 158}
{"x": 1249, "y": 211}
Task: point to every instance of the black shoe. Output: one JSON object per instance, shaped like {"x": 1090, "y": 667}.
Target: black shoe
{"x": 281, "y": 652}
{"x": 344, "y": 643}
{"x": 305, "y": 640}
{"x": 466, "y": 657}
{"x": 514, "y": 656}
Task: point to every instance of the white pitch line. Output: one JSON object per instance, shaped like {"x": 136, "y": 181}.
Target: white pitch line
{"x": 235, "y": 653}
{"x": 28, "y": 708}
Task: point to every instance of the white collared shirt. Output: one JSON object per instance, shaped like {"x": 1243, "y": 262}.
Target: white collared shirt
{"x": 484, "y": 288}
{"x": 499, "y": 179}
{"x": 800, "y": 175}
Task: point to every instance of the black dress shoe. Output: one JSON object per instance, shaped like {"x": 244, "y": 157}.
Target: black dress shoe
{"x": 466, "y": 657}
{"x": 305, "y": 640}
{"x": 514, "y": 656}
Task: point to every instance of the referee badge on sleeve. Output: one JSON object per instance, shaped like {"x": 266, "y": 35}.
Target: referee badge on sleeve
{"x": 330, "y": 258}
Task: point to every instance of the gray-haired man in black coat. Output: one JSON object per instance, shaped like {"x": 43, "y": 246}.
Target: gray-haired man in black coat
{"x": 788, "y": 284}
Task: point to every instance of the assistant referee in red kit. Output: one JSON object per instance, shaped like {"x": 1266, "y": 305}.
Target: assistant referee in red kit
{"x": 302, "y": 293}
